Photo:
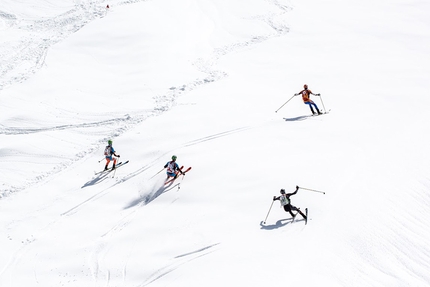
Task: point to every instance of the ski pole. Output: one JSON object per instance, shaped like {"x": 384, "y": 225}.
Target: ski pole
{"x": 322, "y": 103}
{"x": 285, "y": 103}
{"x": 312, "y": 190}
{"x": 179, "y": 184}
{"x": 157, "y": 173}
{"x": 101, "y": 160}
{"x": 268, "y": 212}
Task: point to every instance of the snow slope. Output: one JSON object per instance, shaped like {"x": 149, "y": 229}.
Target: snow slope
{"x": 202, "y": 80}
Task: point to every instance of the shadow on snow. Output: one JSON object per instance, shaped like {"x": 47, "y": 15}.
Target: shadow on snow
{"x": 279, "y": 223}
{"x": 96, "y": 180}
{"x": 299, "y": 118}
{"x": 144, "y": 200}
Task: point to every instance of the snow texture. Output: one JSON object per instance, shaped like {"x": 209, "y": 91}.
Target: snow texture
{"x": 202, "y": 79}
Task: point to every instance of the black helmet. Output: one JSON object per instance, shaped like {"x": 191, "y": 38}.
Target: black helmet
{"x": 282, "y": 191}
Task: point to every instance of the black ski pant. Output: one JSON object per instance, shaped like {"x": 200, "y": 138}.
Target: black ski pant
{"x": 289, "y": 208}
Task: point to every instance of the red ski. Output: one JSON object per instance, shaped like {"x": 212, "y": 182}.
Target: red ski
{"x": 177, "y": 174}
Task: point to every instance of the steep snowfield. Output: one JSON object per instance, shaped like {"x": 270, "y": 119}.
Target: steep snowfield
{"x": 202, "y": 80}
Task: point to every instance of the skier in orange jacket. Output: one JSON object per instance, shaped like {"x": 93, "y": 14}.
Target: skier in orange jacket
{"x": 306, "y": 93}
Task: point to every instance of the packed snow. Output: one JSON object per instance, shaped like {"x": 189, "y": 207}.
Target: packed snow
{"x": 213, "y": 82}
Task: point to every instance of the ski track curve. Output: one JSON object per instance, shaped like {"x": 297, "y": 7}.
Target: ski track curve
{"x": 53, "y": 30}
{"x": 20, "y": 60}
{"x": 177, "y": 262}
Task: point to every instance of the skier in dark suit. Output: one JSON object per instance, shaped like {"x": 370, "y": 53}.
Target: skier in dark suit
{"x": 286, "y": 203}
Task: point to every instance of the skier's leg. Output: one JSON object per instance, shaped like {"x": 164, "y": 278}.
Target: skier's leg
{"x": 310, "y": 106}
{"x": 302, "y": 214}
{"x": 299, "y": 211}
{"x": 287, "y": 208}
{"x": 316, "y": 107}
{"x": 170, "y": 175}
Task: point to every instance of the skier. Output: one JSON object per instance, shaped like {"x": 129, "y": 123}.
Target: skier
{"x": 286, "y": 203}
{"x": 109, "y": 152}
{"x": 305, "y": 96}
{"x": 173, "y": 168}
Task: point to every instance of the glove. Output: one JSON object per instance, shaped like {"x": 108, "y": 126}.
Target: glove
{"x": 297, "y": 187}
{"x": 118, "y": 156}
{"x": 318, "y": 95}
{"x": 296, "y": 94}
{"x": 274, "y": 198}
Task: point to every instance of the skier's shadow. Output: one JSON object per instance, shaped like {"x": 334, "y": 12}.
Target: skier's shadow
{"x": 278, "y": 224}
{"x": 96, "y": 180}
{"x": 144, "y": 200}
{"x": 300, "y": 118}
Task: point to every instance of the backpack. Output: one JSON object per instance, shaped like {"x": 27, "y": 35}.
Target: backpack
{"x": 107, "y": 150}
{"x": 284, "y": 200}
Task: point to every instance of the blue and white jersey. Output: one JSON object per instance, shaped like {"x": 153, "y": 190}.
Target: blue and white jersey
{"x": 172, "y": 167}
{"x": 109, "y": 151}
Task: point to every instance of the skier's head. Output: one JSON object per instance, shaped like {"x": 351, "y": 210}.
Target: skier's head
{"x": 282, "y": 191}
{"x": 109, "y": 142}
{"x": 305, "y": 86}
{"x": 174, "y": 157}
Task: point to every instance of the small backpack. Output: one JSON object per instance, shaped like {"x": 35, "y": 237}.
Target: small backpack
{"x": 284, "y": 200}
{"x": 107, "y": 150}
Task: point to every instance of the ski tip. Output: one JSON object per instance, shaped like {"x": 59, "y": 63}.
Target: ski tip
{"x": 306, "y": 221}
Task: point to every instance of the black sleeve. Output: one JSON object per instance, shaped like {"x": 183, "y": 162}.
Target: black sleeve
{"x": 293, "y": 192}
{"x": 165, "y": 165}
{"x": 177, "y": 168}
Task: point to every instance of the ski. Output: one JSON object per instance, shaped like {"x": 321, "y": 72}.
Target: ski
{"x": 324, "y": 113}
{"x": 116, "y": 166}
{"x": 306, "y": 220}
{"x": 301, "y": 118}
{"x": 177, "y": 175}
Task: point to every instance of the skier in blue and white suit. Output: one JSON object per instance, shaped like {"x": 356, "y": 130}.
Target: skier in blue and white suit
{"x": 109, "y": 152}
{"x": 172, "y": 168}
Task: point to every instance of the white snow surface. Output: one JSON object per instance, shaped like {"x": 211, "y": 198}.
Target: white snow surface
{"x": 202, "y": 79}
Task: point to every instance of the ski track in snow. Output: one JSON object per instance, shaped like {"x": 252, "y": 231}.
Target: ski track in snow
{"x": 19, "y": 61}
{"x": 47, "y": 32}
{"x": 19, "y": 131}
{"x": 177, "y": 262}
